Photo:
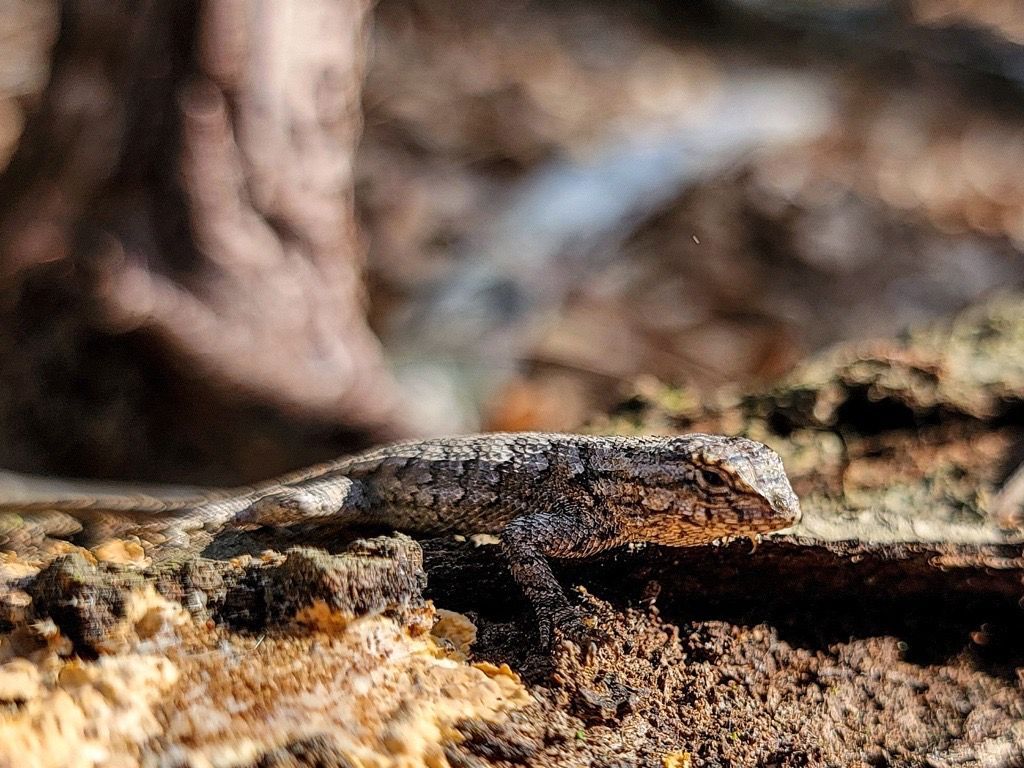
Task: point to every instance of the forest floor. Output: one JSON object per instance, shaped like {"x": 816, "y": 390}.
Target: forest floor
{"x": 884, "y": 630}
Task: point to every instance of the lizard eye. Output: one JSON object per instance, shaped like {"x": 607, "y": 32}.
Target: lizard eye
{"x": 712, "y": 480}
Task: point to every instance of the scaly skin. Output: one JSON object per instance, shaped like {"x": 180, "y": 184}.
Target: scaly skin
{"x": 546, "y": 495}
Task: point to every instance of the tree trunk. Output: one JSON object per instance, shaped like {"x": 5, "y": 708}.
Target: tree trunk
{"x": 180, "y": 267}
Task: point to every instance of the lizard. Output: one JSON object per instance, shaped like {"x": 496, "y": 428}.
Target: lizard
{"x": 544, "y": 495}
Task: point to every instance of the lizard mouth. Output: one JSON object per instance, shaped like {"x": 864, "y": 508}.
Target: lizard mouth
{"x": 793, "y": 512}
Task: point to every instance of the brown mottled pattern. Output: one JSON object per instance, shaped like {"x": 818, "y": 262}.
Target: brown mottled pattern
{"x": 547, "y": 495}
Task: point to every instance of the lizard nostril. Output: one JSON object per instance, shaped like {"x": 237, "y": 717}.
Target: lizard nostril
{"x": 786, "y": 505}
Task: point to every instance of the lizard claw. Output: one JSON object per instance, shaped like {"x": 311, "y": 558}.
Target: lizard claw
{"x": 571, "y": 630}
{"x": 588, "y": 651}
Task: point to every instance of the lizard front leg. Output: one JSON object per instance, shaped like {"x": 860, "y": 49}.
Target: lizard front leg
{"x": 564, "y": 531}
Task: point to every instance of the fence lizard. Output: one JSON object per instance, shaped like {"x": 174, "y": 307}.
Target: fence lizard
{"x": 546, "y": 495}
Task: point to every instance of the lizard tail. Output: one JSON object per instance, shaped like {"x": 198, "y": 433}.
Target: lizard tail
{"x": 28, "y": 523}
{"x": 35, "y": 524}
{"x": 27, "y": 531}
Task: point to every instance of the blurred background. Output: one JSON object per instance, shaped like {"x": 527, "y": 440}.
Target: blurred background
{"x": 239, "y": 237}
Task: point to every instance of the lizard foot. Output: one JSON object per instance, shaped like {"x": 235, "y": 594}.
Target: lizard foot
{"x": 568, "y": 627}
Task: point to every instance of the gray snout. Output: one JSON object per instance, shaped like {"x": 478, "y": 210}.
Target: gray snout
{"x": 787, "y": 506}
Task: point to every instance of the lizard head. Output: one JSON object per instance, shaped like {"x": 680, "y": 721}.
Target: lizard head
{"x": 693, "y": 489}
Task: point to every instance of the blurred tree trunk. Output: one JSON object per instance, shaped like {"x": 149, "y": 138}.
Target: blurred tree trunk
{"x": 180, "y": 268}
